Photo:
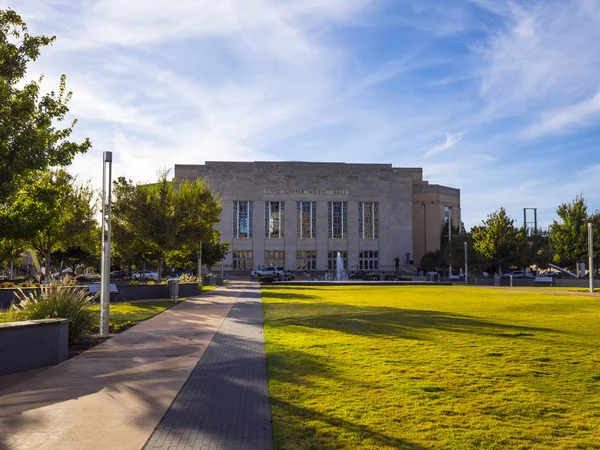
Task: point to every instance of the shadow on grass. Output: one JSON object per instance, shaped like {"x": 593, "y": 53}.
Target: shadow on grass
{"x": 288, "y": 296}
{"x": 385, "y": 321}
{"x": 291, "y": 427}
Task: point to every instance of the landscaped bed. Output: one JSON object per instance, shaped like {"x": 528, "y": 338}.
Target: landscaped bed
{"x": 432, "y": 367}
{"x": 122, "y": 316}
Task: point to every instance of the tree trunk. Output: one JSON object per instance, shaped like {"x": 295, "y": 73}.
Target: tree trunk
{"x": 47, "y": 274}
{"x": 159, "y": 272}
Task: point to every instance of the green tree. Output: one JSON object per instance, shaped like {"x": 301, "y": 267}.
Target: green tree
{"x": 11, "y": 251}
{"x": 29, "y": 138}
{"x": 535, "y": 249}
{"x": 51, "y": 212}
{"x": 568, "y": 235}
{"x": 154, "y": 220}
{"x": 430, "y": 261}
{"x": 497, "y": 239}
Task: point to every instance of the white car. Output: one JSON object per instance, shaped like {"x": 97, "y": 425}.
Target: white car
{"x": 272, "y": 270}
{"x": 144, "y": 274}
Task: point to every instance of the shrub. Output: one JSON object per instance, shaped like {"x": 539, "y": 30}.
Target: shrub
{"x": 7, "y": 284}
{"x": 118, "y": 327}
{"x": 28, "y": 284}
{"x": 188, "y": 279}
{"x": 267, "y": 279}
{"x": 58, "y": 302}
{"x": 134, "y": 283}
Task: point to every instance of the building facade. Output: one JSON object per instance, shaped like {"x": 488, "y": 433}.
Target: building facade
{"x": 300, "y": 214}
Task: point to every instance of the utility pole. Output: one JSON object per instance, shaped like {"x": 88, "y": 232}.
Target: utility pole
{"x": 105, "y": 263}
{"x": 591, "y": 255}
{"x": 466, "y": 264}
{"x": 449, "y": 235}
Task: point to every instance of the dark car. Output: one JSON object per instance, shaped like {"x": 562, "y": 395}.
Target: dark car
{"x": 117, "y": 274}
{"x": 363, "y": 275}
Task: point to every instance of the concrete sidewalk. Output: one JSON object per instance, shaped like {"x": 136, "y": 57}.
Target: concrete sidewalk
{"x": 114, "y": 395}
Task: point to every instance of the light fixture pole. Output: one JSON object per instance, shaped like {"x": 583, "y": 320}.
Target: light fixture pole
{"x": 449, "y": 235}
{"x": 466, "y": 264}
{"x": 591, "y": 255}
{"x": 105, "y": 263}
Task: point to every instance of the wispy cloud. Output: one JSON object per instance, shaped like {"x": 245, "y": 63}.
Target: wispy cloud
{"x": 567, "y": 119}
{"x": 160, "y": 83}
{"x": 451, "y": 141}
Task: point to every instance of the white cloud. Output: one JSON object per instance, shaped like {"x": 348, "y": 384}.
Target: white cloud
{"x": 566, "y": 119}
{"x": 541, "y": 57}
{"x": 451, "y": 141}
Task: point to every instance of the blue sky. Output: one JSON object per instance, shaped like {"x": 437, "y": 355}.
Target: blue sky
{"x": 498, "y": 98}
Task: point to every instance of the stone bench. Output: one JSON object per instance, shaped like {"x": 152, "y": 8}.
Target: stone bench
{"x": 33, "y": 344}
{"x": 543, "y": 281}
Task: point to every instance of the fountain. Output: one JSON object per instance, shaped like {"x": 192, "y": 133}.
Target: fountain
{"x": 339, "y": 266}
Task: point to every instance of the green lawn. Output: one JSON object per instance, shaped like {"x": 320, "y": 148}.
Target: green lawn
{"x": 122, "y": 312}
{"x": 432, "y": 367}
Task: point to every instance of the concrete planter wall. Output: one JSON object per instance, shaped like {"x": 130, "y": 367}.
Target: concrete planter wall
{"x": 559, "y": 282}
{"x": 33, "y": 344}
{"x": 139, "y": 292}
{"x": 156, "y": 291}
{"x": 7, "y": 296}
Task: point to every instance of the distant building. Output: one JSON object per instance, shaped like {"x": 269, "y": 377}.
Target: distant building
{"x": 301, "y": 214}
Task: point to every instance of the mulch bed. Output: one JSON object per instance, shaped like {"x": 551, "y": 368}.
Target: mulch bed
{"x": 86, "y": 343}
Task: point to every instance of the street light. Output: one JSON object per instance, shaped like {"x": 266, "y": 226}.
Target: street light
{"x": 105, "y": 264}
{"x": 591, "y": 255}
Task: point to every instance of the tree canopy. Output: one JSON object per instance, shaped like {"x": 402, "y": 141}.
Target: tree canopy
{"x": 568, "y": 235}
{"x": 29, "y": 137}
{"x": 497, "y": 239}
{"x": 151, "y": 221}
{"x": 51, "y": 212}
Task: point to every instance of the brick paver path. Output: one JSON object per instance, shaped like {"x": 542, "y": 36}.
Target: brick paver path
{"x": 225, "y": 402}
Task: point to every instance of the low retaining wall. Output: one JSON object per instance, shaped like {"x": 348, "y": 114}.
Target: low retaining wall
{"x": 33, "y": 344}
{"x": 139, "y": 292}
{"x": 529, "y": 281}
{"x": 358, "y": 283}
{"x": 7, "y": 296}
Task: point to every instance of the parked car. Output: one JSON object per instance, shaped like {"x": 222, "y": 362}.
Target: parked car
{"x": 278, "y": 271}
{"x": 363, "y": 275}
{"x": 518, "y": 274}
{"x": 458, "y": 277}
{"x": 118, "y": 274}
{"x": 144, "y": 274}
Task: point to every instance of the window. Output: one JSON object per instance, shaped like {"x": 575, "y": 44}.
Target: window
{"x": 274, "y": 220}
{"x": 274, "y": 258}
{"x": 446, "y": 214}
{"x": 306, "y": 259}
{"x": 242, "y": 219}
{"x": 368, "y": 220}
{"x": 332, "y": 259}
{"x": 337, "y": 218}
{"x": 306, "y": 220}
{"x": 368, "y": 260}
{"x": 242, "y": 260}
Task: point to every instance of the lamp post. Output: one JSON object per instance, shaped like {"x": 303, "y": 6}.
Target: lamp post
{"x": 449, "y": 235}
{"x": 591, "y": 255}
{"x": 105, "y": 264}
{"x": 466, "y": 264}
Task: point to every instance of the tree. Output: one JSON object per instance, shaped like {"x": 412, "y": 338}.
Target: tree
{"x": 568, "y": 236}
{"x": 155, "y": 220}
{"x": 498, "y": 240}
{"x": 430, "y": 261}
{"x": 29, "y": 138}
{"x": 11, "y": 250}
{"x": 213, "y": 252}
{"x": 535, "y": 249}
{"x": 51, "y": 212}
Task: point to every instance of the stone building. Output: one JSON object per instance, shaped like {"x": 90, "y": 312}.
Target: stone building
{"x": 301, "y": 214}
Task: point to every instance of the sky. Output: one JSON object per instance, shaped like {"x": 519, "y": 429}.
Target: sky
{"x": 500, "y": 99}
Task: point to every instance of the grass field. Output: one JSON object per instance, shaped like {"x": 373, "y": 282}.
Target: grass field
{"x": 432, "y": 367}
{"x": 121, "y": 312}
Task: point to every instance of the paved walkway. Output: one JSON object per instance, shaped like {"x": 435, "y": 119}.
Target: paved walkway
{"x": 115, "y": 395}
{"x": 225, "y": 402}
